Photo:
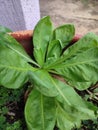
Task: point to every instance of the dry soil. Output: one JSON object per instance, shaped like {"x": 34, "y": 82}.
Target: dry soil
{"x": 82, "y": 13}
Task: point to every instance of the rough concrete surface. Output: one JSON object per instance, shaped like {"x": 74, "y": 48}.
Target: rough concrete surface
{"x": 82, "y": 13}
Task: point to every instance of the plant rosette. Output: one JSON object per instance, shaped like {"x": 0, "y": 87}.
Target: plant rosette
{"x": 52, "y": 102}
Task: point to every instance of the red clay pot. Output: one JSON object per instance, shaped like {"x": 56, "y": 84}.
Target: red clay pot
{"x": 25, "y": 38}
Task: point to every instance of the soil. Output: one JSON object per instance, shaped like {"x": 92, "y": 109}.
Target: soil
{"x": 82, "y": 13}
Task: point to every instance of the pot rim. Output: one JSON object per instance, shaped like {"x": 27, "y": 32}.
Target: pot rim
{"x": 27, "y": 34}
{"x": 24, "y": 37}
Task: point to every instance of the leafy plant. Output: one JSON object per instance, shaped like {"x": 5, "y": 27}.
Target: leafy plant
{"x": 10, "y": 103}
{"x": 17, "y": 125}
{"x": 88, "y": 125}
{"x": 51, "y": 101}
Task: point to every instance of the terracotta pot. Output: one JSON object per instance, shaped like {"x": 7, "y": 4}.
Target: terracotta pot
{"x": 25, "y": 38}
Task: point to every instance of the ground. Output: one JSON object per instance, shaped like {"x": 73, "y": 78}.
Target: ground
{"x": 82, "y": 13}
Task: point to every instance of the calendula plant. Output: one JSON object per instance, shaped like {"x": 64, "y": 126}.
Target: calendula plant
{"x": 52, "y": 102}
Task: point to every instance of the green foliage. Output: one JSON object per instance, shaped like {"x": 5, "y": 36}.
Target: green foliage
{"x": 17, "y": 125}
{"x": 42, "y": 33}
{"x": 62, "y": 33}
{"x": 9, "y": 99}
{"x": 88, "y": 125}
{"x": 52, "y": 102}
{"x": 4, "y": 29}
{"x": 44, "y": 113}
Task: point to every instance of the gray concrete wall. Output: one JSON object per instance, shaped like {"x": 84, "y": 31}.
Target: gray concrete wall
{"x": 19, "y": 14}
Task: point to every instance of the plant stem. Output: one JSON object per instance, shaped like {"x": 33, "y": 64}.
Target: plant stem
{"x": 90, "y": 93}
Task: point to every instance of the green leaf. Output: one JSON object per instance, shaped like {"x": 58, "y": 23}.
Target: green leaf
{"x": 70, "y": 115}
{"x": 41, "y": 36}
{"x": 81, "y": 70}
{"x": 76, "y": 101}
{"x": 48, "y": 85}
{"x": 13, "y": 69}
{"x": 79, "y": 63}
{"x": 42, "y": 81}
{"x": 4, "y": 29}
{"x": 64, "y": 33}
{"x": 11, "y": 43}
{"x": 88, "y": 41}
{"x": 66, "y": 120}
{"x": 40, "y": 112}
{"x": 13, "y": 63}
{"x": 54, "y": 51}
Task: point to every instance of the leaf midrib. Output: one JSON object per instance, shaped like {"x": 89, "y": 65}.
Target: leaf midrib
{"x": 19, "y": 53}
{"x": 42, "y": 113}
{"x": 16, "y": 68}
{"x": 76, "y": 63}
{"x": 28, "y": 59}
{"x": 63, "y": 59}
{"x": 60, "y": 92}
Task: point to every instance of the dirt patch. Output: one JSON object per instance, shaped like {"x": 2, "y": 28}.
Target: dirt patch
{"x": 82, "y": 13}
